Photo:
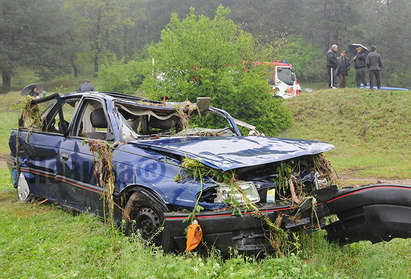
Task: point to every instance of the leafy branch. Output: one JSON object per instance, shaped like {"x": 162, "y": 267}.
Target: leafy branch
{"x": 103, "y": 172}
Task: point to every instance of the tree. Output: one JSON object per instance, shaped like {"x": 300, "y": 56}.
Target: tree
{"x": 199, "y": 56}
{"x": 326, "y": 22}
{"x": 389, "y": 28}
{"x": 306, "y": 59}
{"x": 120, "y": 77}
{"x": 29, "y": 34}
{"x": 100, "y": 24}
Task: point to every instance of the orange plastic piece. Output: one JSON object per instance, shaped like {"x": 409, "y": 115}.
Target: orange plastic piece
{"x": 194, "y": 236}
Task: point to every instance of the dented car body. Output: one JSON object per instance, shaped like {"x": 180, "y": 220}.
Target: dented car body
{"x": 150, "y": 141}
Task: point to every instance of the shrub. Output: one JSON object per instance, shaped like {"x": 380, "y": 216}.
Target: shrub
{"x": 122, "y": 77}
{"x": 199, "y": 56}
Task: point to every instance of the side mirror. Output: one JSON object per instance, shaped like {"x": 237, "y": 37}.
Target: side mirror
{"x": 203, "y": 104}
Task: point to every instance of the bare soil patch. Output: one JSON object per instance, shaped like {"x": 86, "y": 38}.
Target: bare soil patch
{"x": 360, "y": 181}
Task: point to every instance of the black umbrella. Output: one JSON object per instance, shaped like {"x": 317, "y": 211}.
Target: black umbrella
{"x": 353, "y": 48}
{"x": 27, "y": 90}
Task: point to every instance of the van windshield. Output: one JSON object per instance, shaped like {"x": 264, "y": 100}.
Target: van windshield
{"x": 286, "y": 75}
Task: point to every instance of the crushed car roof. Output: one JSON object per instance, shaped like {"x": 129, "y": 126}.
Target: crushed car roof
{"x": 126, "y": 98}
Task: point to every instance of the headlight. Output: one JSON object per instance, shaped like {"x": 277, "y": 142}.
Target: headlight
{"x": 224, "y": 192}
{"x": 319, "y": 181}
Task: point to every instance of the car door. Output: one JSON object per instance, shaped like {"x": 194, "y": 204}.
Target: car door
{"x": 76, "y": 159}
{"x": 39, "y": 150}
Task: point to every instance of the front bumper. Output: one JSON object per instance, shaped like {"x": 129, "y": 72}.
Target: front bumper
{"x": 223, "y": 230}
{"x": 373, "y": 212}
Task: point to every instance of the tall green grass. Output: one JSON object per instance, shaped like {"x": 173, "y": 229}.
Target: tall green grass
{"x": 44, "y": 241}
{"x": 371, "y": 131}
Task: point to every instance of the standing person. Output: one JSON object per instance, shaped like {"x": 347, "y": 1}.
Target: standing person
{"x": 86, "y": 86}
{"x": 342, "y": 70}
{"x": 35, "y": 92}
{"x": 360, "y": 67}
{"x": 374, "y": 65}
{"x": 332, "y": 63}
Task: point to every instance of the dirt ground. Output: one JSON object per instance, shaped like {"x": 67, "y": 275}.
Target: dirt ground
{"x": 359, "y": 181}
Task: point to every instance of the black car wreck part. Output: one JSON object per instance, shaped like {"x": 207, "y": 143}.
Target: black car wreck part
{"x": 243, "y": 197}
{"x": 254, "y": 190}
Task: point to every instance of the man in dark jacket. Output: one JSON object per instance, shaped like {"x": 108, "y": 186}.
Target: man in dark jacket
{"x": 342, "y": 70}
{"x": 332, "y": 64}
{"x": 86, "y": 86}
{"x": 360, "y": 67}
{"x": 374, "y": 65}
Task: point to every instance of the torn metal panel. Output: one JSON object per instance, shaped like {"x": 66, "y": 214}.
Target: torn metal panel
{"x": 227, "y": 153}
{"x": 376, "y": 213}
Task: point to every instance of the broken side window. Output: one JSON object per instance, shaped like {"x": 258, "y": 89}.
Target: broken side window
{"x": 54, "y": 123}
{"x": 33, "y": 115}
{"x": 141, "y": 121}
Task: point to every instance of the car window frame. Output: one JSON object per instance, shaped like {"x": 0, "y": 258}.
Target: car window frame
{"x": 53, "y": 113}
{"x": 79, "y": 113}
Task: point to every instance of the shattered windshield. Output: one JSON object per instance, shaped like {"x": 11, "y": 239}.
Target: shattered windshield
{"x": 286, "y": 75}
{"x": 140, "y": 121}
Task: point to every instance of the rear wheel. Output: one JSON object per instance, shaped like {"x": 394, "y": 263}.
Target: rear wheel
{"x": 144, "y": 216}
{"x": 23, "y": 190}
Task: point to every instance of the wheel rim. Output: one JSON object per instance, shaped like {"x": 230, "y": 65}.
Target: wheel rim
{"x": 148, "y": 222}
{"x": 23, "y": 190}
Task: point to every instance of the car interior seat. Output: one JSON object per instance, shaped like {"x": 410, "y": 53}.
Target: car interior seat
{"x": 98, "y": 121}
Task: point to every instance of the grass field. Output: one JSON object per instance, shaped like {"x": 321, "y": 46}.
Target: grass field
{"x": 65, "y": 83}
{"x": 371, "y": 131}
{"x": 43, "y": 241}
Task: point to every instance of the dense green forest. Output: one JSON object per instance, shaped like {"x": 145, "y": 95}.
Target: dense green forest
{"x": 56, "y": 37}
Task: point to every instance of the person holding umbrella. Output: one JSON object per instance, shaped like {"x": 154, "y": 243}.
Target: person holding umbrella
{"x": 332, "y": 64}
{"x": 360, "y": 66}
{"x": 374, "y": 65}
{"x": 33, "y": 90}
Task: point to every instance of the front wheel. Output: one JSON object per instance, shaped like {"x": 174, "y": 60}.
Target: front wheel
{"x": 144, "y": 216}
{"x": 23, "y": 190}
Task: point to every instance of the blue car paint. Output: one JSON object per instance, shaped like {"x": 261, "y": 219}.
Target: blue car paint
{"x": 229, "y": 119}
{"x": 144, "y": 163}
{"x": 227, "y": 153}
{"x": 137, "y": 166}
{"x": 14, "y": 176}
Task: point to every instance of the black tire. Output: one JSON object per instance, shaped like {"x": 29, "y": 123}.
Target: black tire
{"x": 24, "y": 194}
{"x": 144, "y": 216}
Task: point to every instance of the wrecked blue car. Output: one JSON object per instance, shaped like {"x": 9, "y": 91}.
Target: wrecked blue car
{"x": 288, "y": 180}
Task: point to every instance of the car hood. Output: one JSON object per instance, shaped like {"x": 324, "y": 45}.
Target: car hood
{"x": 226, "y": 153}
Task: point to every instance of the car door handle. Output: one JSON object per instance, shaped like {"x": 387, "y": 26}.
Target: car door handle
{"x": 64, "y": 156}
